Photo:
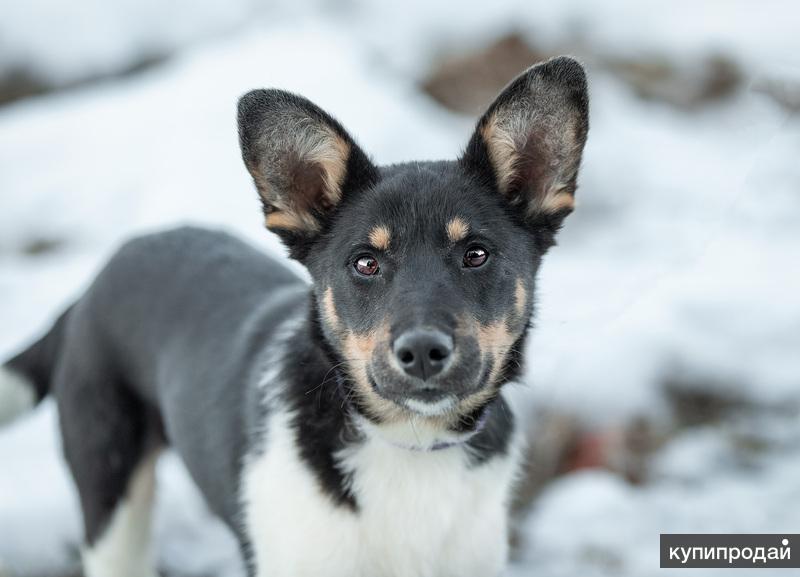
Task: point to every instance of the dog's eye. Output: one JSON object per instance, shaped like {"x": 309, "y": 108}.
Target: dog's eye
{"x": 475, "y": 256}
{"x": 367, "y": 265}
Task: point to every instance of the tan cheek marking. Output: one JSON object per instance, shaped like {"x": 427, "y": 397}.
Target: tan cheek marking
{"x": 476, "y": 400}
{"x": 457, "y": 229}
{"x": 380, "y": 237}
{"x": 358, "y": 351}
{"x": 329, "y": 310}
{"x": 495, "y": 339}
{"x": 360, "y": 347}
{"x": 520, "y": 298}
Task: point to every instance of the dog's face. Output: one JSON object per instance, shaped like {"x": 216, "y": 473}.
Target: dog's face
{"x": 424, "y": 287}
{"x": 424, "y": 272}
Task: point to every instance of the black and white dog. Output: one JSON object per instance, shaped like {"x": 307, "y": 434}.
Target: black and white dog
{"x": 354, "y": 427}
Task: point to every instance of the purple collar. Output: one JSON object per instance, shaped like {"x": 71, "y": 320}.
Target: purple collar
{"x": 479, "y": 426}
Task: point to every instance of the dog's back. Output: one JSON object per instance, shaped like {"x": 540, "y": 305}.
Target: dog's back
{"x": 160, "y": 348}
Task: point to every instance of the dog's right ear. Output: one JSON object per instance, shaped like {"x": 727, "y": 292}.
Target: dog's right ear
{"x": 302, "y": 161}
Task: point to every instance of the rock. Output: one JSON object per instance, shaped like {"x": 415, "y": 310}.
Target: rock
{"x": 18, "y": 82}
{"x": 682, "y": 85}
{"x": 468, "y": 83}
{"x": 697, "y": 402}
{"x": 41, "y": 246}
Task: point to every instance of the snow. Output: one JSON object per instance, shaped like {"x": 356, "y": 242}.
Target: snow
{"x": 680, "y": 263}
{"x": 64, "y": 42}
{"x": 40, "y": 523}
{"x": 592, "y": 523}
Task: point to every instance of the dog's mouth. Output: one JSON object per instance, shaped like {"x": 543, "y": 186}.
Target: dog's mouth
{"x": 381, "y": 387}
{"x": 445, "y": 398}
{"x": 427, "y": 402}
{"x": 442, "y": 405}
{"x": 426, "y": 419}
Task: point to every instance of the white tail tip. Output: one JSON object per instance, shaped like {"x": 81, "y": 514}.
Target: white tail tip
{"x": 17, "y": 395}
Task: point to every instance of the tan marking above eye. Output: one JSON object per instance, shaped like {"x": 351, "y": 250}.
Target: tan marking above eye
{"x": 380, "y": 237}
{"x": 457, "y": 229}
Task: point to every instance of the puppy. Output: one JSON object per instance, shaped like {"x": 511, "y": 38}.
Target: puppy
{"x": 353, "y": 427}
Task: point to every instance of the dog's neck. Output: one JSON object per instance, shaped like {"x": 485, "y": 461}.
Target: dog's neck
{"x": 328, "y": 425}
{"x": 415, "y": 432}
{"x": 418, "y": 435}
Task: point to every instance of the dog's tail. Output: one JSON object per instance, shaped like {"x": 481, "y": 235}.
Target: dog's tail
{"x": 25, "y": 378}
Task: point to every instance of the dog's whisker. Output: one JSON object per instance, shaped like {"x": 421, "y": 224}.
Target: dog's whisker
{"x": 324, "y": 379}
{"x": 412, "y": 420}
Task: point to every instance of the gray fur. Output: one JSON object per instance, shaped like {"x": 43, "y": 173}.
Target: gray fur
{"x": 153, "y": 327}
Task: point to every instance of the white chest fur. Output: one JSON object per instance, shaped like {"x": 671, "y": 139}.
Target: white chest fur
{"x": 421, "y": 514}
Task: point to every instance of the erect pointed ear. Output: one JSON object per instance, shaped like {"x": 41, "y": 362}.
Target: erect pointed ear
{"x": 528, "y": 144}
{"x": 302, "y": 161}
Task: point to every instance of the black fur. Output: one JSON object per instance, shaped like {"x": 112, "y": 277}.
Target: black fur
{"x": 323, "y": 428}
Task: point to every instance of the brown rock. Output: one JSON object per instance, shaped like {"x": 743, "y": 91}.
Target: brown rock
{"x": 468, "y": 83}
{"x": 685, "y": 86}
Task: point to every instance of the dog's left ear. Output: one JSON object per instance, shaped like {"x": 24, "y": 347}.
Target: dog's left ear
{"x": 528, "y": 144}
{"x": 302, "y": 161}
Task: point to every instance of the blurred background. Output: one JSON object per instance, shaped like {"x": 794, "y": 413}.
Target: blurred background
{"x": 663, "y": 382}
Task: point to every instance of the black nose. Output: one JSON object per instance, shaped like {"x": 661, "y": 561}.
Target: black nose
{"x": 423, "y": 353}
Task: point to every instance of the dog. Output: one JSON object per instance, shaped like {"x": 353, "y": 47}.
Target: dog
{"x": 353, "y": 427}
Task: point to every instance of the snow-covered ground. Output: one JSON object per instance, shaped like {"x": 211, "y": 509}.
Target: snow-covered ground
{"x": 681, "y": 264}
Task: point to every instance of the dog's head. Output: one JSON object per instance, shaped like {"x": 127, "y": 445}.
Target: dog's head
{"x": 423, "y": 272}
